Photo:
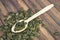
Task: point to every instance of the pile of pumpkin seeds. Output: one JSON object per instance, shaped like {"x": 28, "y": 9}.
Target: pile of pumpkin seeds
{"x": 31, "y": 32}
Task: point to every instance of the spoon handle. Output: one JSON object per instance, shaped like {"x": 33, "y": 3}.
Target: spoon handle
{"x": 40, "y": 12}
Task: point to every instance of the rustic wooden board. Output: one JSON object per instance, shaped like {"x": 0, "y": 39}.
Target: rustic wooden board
{"x": 51, "y": 18}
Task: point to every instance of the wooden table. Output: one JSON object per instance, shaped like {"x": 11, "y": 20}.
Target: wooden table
{"x": 51, "y": 18}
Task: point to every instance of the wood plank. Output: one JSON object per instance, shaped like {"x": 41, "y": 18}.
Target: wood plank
{"x": 2, "y": 18}
{"x": 3, "y": 9}
{"x": 37, "y": 5}
{"x": 22, "y": 4}
{"x": 15, "y": 4}
{"x": 30, "y": 5}
{"x": 8, "y": 5}
{"x": 42, "y": 36}
{"x": 46, "y": 33}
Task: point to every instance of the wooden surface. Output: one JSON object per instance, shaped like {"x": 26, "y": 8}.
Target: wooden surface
{"x": 51, "y": 18}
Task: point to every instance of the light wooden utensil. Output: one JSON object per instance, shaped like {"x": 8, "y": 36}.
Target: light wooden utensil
{"x": 31, "y": 18}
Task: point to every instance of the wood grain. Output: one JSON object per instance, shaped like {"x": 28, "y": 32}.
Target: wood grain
{"x": 51, "y": 18}
{"x": 22, "y": 4}
{"x": 3, "y": 9}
